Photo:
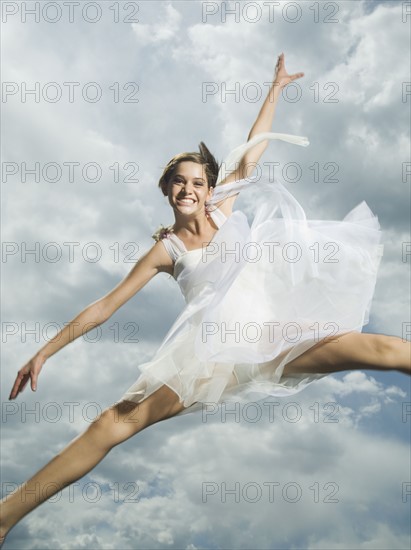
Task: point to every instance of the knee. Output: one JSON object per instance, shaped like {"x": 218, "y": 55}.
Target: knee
{"x": 116, "y": 424}
{"x": 126, "y": 418}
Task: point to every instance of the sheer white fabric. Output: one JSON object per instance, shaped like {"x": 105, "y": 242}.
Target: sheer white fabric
{"x": 259, "y": 296}
{"x": 230, "y": 162}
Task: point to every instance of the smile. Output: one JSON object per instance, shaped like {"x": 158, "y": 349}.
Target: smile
{"x": 186, "y": 201}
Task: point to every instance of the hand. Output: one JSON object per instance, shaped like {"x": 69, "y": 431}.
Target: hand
{"x": 281, "y": 77}
{"x": 31, "y": 370}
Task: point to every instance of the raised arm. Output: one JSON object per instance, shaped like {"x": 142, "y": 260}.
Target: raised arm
{"x": 263, "y": 122}
{"x": 154, "y": 261}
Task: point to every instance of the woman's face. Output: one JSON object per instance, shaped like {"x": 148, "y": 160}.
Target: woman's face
{"x": 188, "y": 188}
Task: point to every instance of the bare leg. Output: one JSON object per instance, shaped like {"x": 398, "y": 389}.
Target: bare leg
{"x": 352, "y": 351}
{"x": 115, "y": 425}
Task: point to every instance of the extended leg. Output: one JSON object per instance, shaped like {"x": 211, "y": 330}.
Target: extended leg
{"x": 115, "y": 425}
{"x": 352, "y": 351}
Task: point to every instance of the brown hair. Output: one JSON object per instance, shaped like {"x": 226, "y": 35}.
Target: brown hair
{"x": 204, "y": 157}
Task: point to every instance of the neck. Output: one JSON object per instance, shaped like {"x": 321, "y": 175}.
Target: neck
{"x": 195, "y": 224}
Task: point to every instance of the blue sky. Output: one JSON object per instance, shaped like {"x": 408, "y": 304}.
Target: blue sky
{"x": 165, "y": 60}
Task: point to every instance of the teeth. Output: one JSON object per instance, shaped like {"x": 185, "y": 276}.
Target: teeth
{"x": 186, "y": 201}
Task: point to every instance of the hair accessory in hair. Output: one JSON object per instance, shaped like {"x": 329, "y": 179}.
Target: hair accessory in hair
{"x": 162, "y": 232}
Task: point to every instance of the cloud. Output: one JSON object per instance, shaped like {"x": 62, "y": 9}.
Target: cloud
{"x": 253, "y": 474}
{"x": 170, "y": 53}
{"x": 162, "y": 31}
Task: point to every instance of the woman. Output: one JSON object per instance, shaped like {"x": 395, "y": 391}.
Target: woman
{"x": 227, "y": 291}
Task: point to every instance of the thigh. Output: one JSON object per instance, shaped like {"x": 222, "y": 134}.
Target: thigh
{"x": 160, "y": 405}
{"x": 352, "y": 350}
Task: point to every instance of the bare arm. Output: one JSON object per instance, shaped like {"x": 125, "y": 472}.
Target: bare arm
{"x": 154, "y": 261}
{"x": 263, "y": 123}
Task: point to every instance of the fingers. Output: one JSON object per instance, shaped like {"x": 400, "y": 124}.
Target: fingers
{"x": 15, "y": 389}
{"x": 19, "y": 385}
{"x": 280, "y": 60}
{"x": 33, "y": 381}
{"x": 280, "y": 65}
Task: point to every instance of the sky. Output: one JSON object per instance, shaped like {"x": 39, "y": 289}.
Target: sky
{"x": 331, "y": 468}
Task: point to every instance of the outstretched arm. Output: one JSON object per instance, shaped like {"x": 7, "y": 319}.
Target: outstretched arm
{"x": 264, "y": 121}
{"x": 152, "y": 262}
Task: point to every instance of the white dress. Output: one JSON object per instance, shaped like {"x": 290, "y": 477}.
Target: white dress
{"x": 259, "y": 296}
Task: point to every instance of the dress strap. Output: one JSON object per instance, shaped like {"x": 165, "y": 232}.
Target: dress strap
{"x": 174, "y": 246}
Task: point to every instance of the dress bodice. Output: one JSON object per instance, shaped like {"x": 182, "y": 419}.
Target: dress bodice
{"x": 187, "y": 260}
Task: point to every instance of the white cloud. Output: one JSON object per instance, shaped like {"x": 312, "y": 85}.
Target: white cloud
{"x": 163, "y": 31}
{"x": 170, "y": 53}
{"x": 335, "y": 469}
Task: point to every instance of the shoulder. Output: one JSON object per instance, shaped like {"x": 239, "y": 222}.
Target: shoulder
{"x": 159, "y": 258}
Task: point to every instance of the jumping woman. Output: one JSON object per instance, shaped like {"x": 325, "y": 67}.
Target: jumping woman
{"x": 269, "y": 309}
